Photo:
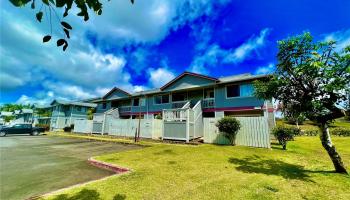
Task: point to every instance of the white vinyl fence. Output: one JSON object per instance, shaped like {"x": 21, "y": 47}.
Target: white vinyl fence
{"x": 83, "y": 126}
{"x": 149, "y": 128}
{"x": 254, "y": 132}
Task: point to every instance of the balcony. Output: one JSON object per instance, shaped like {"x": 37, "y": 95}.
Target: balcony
{"x": 124, "y": 109}
{"x": 179, "y": 114}
{"x": 178, "y": 104}
{"x": 208, "y": 103}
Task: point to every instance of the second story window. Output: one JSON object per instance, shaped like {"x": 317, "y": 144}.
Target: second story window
{"x": 104, "y": 105}
{"x": 114, "y": 104}
{"x": 232, "y": 91}
{"x": 139, "y": 102}
{"x": 209, "y": 93}
{"x": 161, "y": 99}
{"x": 243, "y": 90}
{"x": 179, "y": 96}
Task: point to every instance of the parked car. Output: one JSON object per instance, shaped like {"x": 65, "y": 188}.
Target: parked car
{"x": 20, "y": 129}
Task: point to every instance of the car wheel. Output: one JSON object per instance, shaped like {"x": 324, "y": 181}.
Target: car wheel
{"x": 35, "y": 133}
{"x": 2, "y": 134}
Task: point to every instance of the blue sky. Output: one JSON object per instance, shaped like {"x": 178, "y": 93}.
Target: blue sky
{"x": 142, "y": 46}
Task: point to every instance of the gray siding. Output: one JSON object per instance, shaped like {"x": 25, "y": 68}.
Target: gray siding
{"x": 116, "y": 94}
{"x": 189, "y": 82}
{"x": 175, "y": 130}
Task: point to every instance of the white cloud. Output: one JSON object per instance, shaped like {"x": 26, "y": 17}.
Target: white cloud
{"x": 265, "y": 69}
{"x": 160, "y": 76}
{"x": 84, "y": 70}
{"x": 147, "y": 21}
{"x": 214, "y": 54}
{"x": 243, "y": 51}
{"x": 341, "y": 37}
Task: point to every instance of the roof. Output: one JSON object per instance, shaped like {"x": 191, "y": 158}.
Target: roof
{"x": 240, "y": 77}
{"x": 75, "y": 103}
{"x": 190, "y": 74}
{"x": 26, "y": 110}
{"x": 5, "y": 113}
{"x": 113, "y": 90}
{"x": 226, "y": 79}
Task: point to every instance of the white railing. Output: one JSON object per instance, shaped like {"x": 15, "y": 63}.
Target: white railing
{"x": 208, "y": 103}
{"x": 98, "y": 117}
{"x": 178, "y": 104}
{"x": 198, "y": 120}
{"x": 179, "y": 114}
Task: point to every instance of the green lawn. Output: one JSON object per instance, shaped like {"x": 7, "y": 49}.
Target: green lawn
{"x": 169, "y": 171}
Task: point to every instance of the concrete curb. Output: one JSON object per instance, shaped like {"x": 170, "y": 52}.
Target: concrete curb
{"x": 108, "y": 166}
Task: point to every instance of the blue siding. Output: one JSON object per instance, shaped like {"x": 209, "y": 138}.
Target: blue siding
{"x": 188, "y": 82}
{"x": 222, "y": 102}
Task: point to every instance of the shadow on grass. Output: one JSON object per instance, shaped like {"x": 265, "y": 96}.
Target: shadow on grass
{"x": 84, "y": 194}
{"x": 256, "y": 164}
{"x": 165, "y": 152}
{"x": 87, "y": 194}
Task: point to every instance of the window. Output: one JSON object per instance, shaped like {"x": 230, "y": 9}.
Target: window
{"x": 161, "y": 99}
{"x": 232, "y": 91}
{"x": 136, "y": 102}
{"x": 79, "y": 108}
{"x": 179, "y": 96}
{"x": 209, "y": 93}
{"x": 246, "y": 90}
{"x": 114, "y": 104}
{"x": 139, "y": 102}
{"x": 104, "y": 105}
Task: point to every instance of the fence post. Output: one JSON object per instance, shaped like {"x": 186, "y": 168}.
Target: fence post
{"x": 188, "y": 126}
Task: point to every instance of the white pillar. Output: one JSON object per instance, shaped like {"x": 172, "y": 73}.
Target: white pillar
{"x": 219, "y": 114}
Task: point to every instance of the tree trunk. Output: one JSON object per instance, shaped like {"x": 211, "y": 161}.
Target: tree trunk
{"x": 330, "y": 148}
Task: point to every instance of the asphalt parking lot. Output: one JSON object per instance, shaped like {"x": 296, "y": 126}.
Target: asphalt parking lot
{"x": 34, "y": 165}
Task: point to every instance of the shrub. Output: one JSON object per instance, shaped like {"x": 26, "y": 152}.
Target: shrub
{"x": 285, "y": 134}
{"x": 229, "y": 126}
{"x": 68, "y": 128}
{"x": 45, "y": 126}
{"x": 340, "y": 132}
{"x": 158, "y": 116}
{"x": 310, "y": 132}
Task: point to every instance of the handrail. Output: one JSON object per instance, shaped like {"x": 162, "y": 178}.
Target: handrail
{"x": 187, "y": 105}
{"x": 197, "y": 104}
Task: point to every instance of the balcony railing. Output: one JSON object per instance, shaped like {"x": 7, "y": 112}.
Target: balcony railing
{"x": 179, "y": 114}
{"x": 124, "y": 109}
{"x": 178, "y": 104}
{"x": 208, "y": 103}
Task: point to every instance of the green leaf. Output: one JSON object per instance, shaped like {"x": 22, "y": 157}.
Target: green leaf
{"x": 46, "y": 2}
{"x": 60, "y": 42}
{"x": 33, "y": 5}
{"x": 60, "y": 3}
{"x": 46, "y": 38}
{"x": 66, "y": 25}
{"x": 66, "y": 32}
{"x": 65, "y": 46}
{"x": 39, "y": 16}
{"x": 19, "y": 3}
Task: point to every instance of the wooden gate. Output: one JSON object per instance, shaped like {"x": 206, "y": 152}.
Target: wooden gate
{"x": 254, "y": 132}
